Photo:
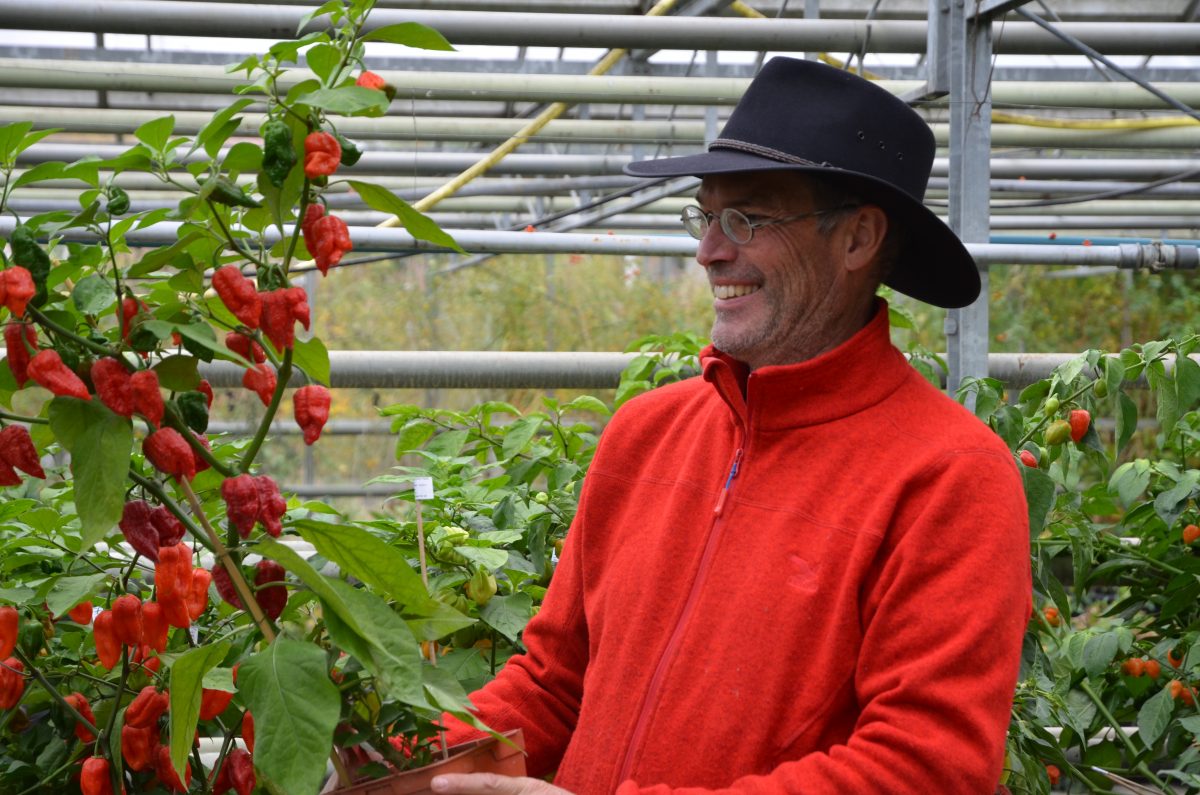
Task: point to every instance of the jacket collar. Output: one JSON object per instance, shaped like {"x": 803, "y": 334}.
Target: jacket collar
{"x": 857, "y": 374}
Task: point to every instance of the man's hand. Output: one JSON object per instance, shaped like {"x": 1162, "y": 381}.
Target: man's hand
{"x": 492, "y": 784}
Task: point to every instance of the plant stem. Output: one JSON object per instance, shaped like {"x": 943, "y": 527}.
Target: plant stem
{"x": 53, "y": 693}
{"x": 4, "y": 415}
{"x": 176, "y": 422}
{"x": 1046, "y": 418}
{"x": 1153, "y": 562}
{"x": 1141, "y": 767}
{"x": 94, "y": 347}
{"x": 281, "y": 378}
{"x": 161, "y": 495}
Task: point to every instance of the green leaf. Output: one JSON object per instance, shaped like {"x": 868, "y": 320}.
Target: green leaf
{"x": 508, "y": 615}
{"x": 1126, "y": 420}
{"x": 243, "y": 157}
{"x": 365, "y": 557}
{"x": 1099, "y": 652}
{"x": 588, "y": 403}
{"x": 410, "y": 34}
{"x": 296, "y": 707}
{"x": 178, "y": 373}
{"x": 347, "y": 101}
{"x": 417, "y": 224}
{"x": 322, "y": 59}
{"x": 156, "y": 132}
{"x": 93, "y": 294}
{"x": 187, "y": 684}
{"x": 1130, "y": 480}
{"x": 518, "y": 435}
{"x": 1187, "y": 383}
{"x": 40, "y": 172}
{"x": 448, "y": 443}
{"x": 161, "y": 256}
{"x": 220, "y": 127}
{"x": 312, "y": 357}
{"x": 100, "y": 443}
{"x": 1154, "y": 717}
{"x": 324, "y": 8}
{"x": 393, "y": 654}
{"x": 70, "y": 591}
{"x": 1039, "y": 494}
{"x": 317, "y": 582}
{"x": 10, "y": 139}
{"x": 484, "y": 557}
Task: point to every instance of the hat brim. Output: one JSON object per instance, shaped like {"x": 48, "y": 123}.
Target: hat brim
{"x": 932, "y": 266}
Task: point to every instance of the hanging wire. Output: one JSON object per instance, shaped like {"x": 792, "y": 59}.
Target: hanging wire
{"x": 1108, "y": 194}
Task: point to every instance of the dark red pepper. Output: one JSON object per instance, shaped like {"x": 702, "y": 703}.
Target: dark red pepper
{"x": 197, "y": 599}
{"x": 17, "y": 450}
{"x": 154, "y": 626}
{"x": 166, "y": 771}
{"x": 16, "y": 289}
{"x": 127, "y": 619}
{"x": 10, "y": 629}
{"x": 322, "y": 155}
{"x": 237, "y": 773}
{"x": 19, "y": 340}
{"x": 138, "y": 745}
{"x": 238, "y": 294}
{"x": 48, "y": 370}
{"x": 311, "y": 406}
{"x": 113, "y": 387}
{"x": 146, "y": 708}
{"x": 280, "y": 310}
{"x": 139, "y": 530}
{"x": 225, "y": 587}
{"x": 108, "y": 646}
{"x": 241, "y": 502}
{"x": 271, "y": 505}
{"x": 326, "y": 237}
{"x": 170, "y": 453}
{"x": 271, "y": 593}
{"x": 12, "y": 682}
{"x": 170, "y": 529}
{"x": 261, "y": 380}
{"x": 147, "y": 398}
{"x": 213, "y": 703}
{"x": 80, "y": 705}
{"x": 246, "y": 347}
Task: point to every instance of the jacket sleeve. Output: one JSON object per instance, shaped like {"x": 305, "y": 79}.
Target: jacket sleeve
{"x": 943, "y": 616}
{"x": 539, "y": 691}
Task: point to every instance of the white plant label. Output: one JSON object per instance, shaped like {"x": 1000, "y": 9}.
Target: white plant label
{"x": 423, "y": 488}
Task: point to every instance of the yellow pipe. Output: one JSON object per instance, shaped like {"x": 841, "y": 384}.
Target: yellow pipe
{"x": 525, "y": 133}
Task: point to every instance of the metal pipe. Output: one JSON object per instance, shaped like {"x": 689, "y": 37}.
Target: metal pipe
{"x": 592, "y": 30}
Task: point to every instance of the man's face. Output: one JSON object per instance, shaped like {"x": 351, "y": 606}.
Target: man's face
{"x": 785, "y": 296}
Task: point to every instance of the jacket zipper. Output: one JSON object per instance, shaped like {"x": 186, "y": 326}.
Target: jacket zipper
{"x": 639, "y": 729}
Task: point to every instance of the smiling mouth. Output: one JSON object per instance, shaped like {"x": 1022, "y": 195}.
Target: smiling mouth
{"x": 726, "y": 291}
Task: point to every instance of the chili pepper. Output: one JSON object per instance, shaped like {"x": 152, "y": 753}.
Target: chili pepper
{"x": 329, "y": 240}
{"x": 170, "y": 453}
{"x": 108, "y": 647}
{"x": 1153, "y": 669}
{"x": 94, "y": 777}
{"x": 147, "y": 707}
{"x": 312, "y": 213}
{"x": 111, "y": 380}
{"x": 213, "y": 703}
{"x": 127, "y": 619}
{"x": 237, "y": 773}
{"x": 10, "y": 629}
{"x": 246, "y": 347}
{"x": 170, "y": 529}
{"x": 241, "y": 502}
{"x": 351, "y": 154}
{"x": 137, "y": 746}
{"x": 1080, "y": 420}
{"x": 81, "y": 613}
{"x": 27, "y": 253}
{"x": 147, "y": 399}
{"x": 8, "y": 475}
{"x": 19, "y": 338}
{"x": 224, "y": 191}
{"x": 238, "y": 294}
{"x": 130, "y": 308}
{"x": 225, "y": 588}
{"x": 173, "y": 574}
{"x": 311, "y": 406}
{"x": 17, "y": 289}
{"x": 48, "y": 370}
{"x": 118, "y": 201}
{"x": 369, "y": 79}
{"x": 279, "y": 154}
{"x": 205, "y": 388}
{"x": 175, "y": 610}
{"x": 201, "y": 464}
{"x": 271, "y": 504}
{"x": 192, "y": 408}
{"x": 12, "y": 682}
{"x": 322, "y": 155}
{"x": 271, "y": 593}
{"x": 80, "y": 704}
{"x": 248, "y": 730}
{"x": 1058, "y": 432}
{"x": 17, "y": 450}
{"x": 280, "y": 311}
{"x": 261, "y": 380}
{"x": 197, "y": 600}
{"x": 166, "y": 771}
{"x": 154, "y": 626}
{"x": 481, "y": 587}
{"x": 138, "y": 529}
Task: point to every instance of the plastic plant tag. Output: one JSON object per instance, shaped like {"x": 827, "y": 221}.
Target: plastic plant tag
{"x": 423, "y": 488}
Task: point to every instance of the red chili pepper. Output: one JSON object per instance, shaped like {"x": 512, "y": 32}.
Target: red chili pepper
{"x": 197, "y": 600}
{"x": 146, "y": 708}
{"x": 147, "y": 399}
{"x": 170, "y": 453}
{"x": 327, "y": 240}
{"x": 111, "y": 380}
{"x": 166, "y": 771}
{"x": 12, "y": 682}
{"x": 17, "y": 450}
{"x": 172, "y": 575}
{"x": 137, "y": 746}
{"x": 130, "y": 307}
{"x": 213, "y": 703}
{"x": 322, "y": 155}
{"x": 81, "y": 613}
{"x": 19, "y": 338}
{"x": 205, "y": 389}
{"x": 280, "y": 311}
{"x": 138, "y": 529}
{"x": 201, "y": 464}
{"x": 16, "y": 287}
{"x": 261, "y": 380}
{"x": 127, "y": 619}
{"x": 246, "y": 347}
{"x": 10, "y": 629}
{"x": 1080, "y": 420}
{"x": 312, "y": 214}
{"x": 94, "y": 778}
{"x": 238, "y": 294}
{"x": 108, "y": 646}
{"x": 241, "y": 502}
{"x": 48, "y": 370}
{"x": 8, "y": 475}
{"x": 271, "y": 505}
{"x": 154, "y": 626}
{"x": 311, "y": 405}
{"x": 144, "y": 656}
{"x": 80, "y": 704}
{"x": 225, "y": 587}
{"x": 271, "y": 597}
{"x": 371, "y": 80}
{"x": 237, "y": 773}
{"x": 170, "y": 529}
{"x": 248, "y": 730}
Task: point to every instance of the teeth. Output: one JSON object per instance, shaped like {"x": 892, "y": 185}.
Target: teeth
{"x": 724, "y": 291}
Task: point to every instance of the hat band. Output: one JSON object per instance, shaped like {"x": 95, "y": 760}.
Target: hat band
{"x": 761, "y": 151}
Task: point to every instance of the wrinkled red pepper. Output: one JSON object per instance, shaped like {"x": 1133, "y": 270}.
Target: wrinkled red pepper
{"x": 48, "y": 370}
{"x": 81, "y": 705}
{"x": 17, "y": 450}
{"x": 322, "y": 155}
{"x": 138, "y": 745}
{"x": 327, "y": 239}
{"x": 238, "y": 294}
{"x": 10, "y": 629}
{"x": 311, "y": 407}
{"x": 237, "y": 773}
{"x": 271, "y": 593}
{"x": 166, "y": 771}
{"x": 271, "y": 505}
{"x": 139, "y": 530}
{"x": 170, "y": 453}
{"x": 280, "y": 311}
{"x": 12, "y": 682}
{"x": 225, "y": 587}
{"x": 147, "y": 707}
{"x": 147, "y": 398}
{"x": 170, "y": 529}
{"x": 241, "y": 502}
{"x": 127, "y": 619}
{"x": 246, "y": 347}
{"x": 262, "y": 381}
{"x": 197, "y": 599}
{"x": 108, "y": 646}
{"x": 16, "y": 288}
{"x": 113, "y": 387}
{"x": 154, "y": 626}
{"x": 19, "y": 340}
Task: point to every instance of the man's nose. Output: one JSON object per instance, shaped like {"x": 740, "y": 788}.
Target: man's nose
{"x": 715, "y": 247}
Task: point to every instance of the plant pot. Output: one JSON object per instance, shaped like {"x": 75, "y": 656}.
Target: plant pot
{"x": 488, "y": 755}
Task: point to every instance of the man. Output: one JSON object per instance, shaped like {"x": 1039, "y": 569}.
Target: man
{"x": 806, "y": 571}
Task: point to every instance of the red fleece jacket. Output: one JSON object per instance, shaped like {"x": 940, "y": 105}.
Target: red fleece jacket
{"x": 819, "y": 588}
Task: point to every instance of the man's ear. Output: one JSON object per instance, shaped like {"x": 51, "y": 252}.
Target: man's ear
{"x": 865, "y": 232}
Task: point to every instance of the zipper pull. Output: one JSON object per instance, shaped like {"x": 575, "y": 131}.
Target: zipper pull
{"x": 733, "y": 470}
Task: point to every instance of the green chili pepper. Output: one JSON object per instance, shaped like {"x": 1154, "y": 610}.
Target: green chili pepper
{"x": 28, "y": 254}
{"x": 225, "y": 192}
{"x": 193, "y": 409}
{"x": 350, "y": 151}
{"x": 279, "y": 154}
{"x": 118, "y": 201}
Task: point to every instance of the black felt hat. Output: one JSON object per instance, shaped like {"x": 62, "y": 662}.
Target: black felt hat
{"x": 805, "y": 116}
